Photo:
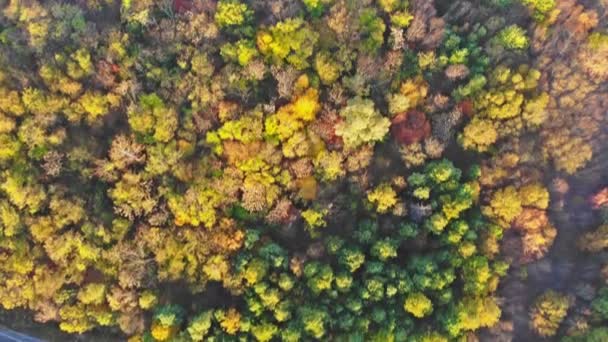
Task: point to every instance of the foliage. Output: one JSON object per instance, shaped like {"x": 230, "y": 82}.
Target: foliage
{"x": 291, "y": 41}
{"x": 594, "y": 241}
{"x": 594, "y": 50}
{"x": 511, "y": 105}
{"x": 327, "y": 68}
{"x": 504, "y": 206}
{"x": 479, "y": 135}
{"x": 316, "y": 7}
{"x": 199, "y": 326}
{"x": 592, "y": 335}
{"x": 384, "y": 197}
{"x": 473, "y": 313}
{"x": 314, "y": 220}
{"x": 236, "y": 148}
{"x": 242, "y": 52}
{"x": 513, "y": 37}
{"x": 231, "y": 13}
{"x": 600, "y": 303}
{"x": 372, "y": 30}
{"x": 541, "y": 9}
{"x": 547, "y": 313}
{"x": 465, "y": 50}
{"x": 354, "y": 289}
{"x": 362, "y": 123}
{"x": 152, "y": 117}
{"x": 418, "y": 305}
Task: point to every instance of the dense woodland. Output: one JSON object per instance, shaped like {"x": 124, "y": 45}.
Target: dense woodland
{"x": 299, "y": 170}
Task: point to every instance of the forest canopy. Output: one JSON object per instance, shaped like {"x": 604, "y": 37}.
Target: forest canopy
{"x": 231, "y": 170}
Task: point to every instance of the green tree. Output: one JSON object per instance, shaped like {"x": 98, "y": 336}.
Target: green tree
{"x": 600, "y": 303}
{"x": 513, "y": 37}
{"x": 372, "y": 29}
{"x": 320, "y": 277}
{"x": 385, "y": 249}
{"x": 199, "y": 326}
{"x": 313, "y": 321}
{"x": 351, "y": 257}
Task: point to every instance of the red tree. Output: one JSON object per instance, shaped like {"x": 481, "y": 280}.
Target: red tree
{"x": 410, "y": 127}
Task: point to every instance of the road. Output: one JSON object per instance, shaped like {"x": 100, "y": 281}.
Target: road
{"x": 7, "y": 335}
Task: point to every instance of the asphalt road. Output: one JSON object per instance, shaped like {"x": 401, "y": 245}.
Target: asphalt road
{"x": 13, "y": 336}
